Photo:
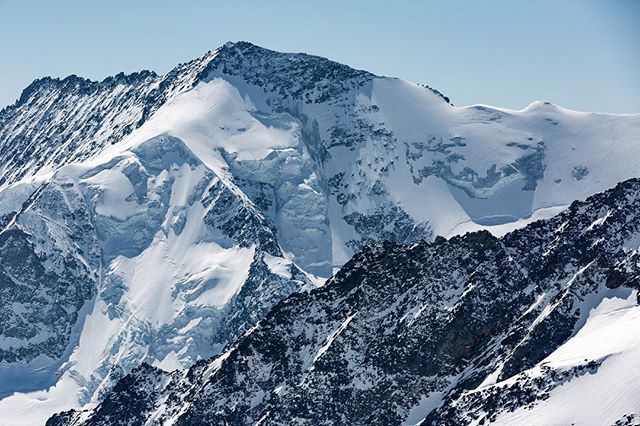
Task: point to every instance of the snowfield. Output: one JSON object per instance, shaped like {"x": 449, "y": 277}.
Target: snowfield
{"x": 610, "y": 335}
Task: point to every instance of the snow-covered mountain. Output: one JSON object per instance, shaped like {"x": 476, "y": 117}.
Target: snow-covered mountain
{"x": 538, "y": 327}
{"x": 154, "y": 219}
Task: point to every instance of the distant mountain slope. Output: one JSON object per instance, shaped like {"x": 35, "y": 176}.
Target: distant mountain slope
{"x": 376, "y": 147}
{"x": 472, "y": 330}
{"x": 149, "y": 256}
{"x": 154, "y": 219}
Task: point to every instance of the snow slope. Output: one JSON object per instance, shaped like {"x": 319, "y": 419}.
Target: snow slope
{"x": 610, "y": 335}
{"x": 177, "y": 263}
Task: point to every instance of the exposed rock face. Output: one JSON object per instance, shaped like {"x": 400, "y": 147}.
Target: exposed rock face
{"x": 45, "y": 281}
{"x": 47, "y": 290}
{"x": 288, "y": 76}
{"x": 463, "y": 322}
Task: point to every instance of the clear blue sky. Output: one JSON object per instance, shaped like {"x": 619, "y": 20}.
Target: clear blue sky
{"x": 581, "y": 54}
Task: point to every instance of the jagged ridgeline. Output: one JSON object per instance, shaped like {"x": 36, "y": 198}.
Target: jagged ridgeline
{"x": 156, "y": 219}
{"x": 459, "y": 331}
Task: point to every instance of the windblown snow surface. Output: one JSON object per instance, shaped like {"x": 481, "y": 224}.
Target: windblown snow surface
{"x": 610, "y": 335}
{"x": 202, "y": 198}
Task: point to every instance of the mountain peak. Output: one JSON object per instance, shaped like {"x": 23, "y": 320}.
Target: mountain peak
{"x": 293, "y": 75}
{"x": 247, "y": 174}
